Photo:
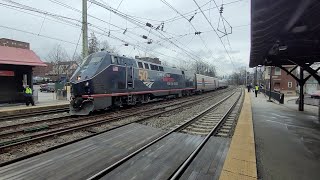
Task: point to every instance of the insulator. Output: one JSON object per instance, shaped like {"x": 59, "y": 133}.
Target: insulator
{"x": 126, "y": 44}
{"x": 144, "y": 37}
{"x": 149, "y": 25}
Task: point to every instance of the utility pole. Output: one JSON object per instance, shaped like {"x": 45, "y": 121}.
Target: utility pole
{"x": 84, "y": 29}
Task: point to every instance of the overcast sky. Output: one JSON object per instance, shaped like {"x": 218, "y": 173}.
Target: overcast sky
{"x": 67, "y": 30}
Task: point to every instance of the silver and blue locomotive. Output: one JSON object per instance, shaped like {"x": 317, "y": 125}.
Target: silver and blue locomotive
{"x": 106, "y": 80}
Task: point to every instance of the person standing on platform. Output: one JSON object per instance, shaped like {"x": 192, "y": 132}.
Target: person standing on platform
{"x": 256, "y": 90}
{"x": 28, "y": 96}
{"x": 249, "y": 87}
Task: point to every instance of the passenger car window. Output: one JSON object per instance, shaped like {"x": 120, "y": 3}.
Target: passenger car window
{"x": 156, "y": 68}
{"x": 160, "y": 68}
{"x": 146, "y": 66}
{"x": 140, "y": 65}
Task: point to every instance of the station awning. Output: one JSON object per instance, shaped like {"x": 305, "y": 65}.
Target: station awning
{"x": 284, "y": 32}
{"x": 18, "y": 56}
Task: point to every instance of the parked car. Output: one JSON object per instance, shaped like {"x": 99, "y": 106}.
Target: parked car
{"x": 315, "y": 94}
{"x": 49, "y": 87}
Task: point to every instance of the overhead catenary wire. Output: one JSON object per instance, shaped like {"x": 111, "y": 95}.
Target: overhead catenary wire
{"x": 195, "y": 29}
{"x": 141, "y": 25}
{"x": 69, "y": 7}
{"x": 215, "y": 33}
{"x": 54, "y": 15}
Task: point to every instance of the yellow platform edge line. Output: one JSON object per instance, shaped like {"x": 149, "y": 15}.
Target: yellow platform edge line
{"x": 240, "y": 162}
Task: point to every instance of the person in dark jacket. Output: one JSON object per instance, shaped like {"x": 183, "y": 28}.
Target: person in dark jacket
{"x": 28, "y": 96}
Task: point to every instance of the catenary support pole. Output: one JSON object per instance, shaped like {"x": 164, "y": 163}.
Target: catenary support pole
{"x": 84, "y": 29}
{"x": 270, "y": 83}
{"x": 301, "y": 95}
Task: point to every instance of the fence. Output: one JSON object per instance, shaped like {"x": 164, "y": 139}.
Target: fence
{"x": 274, "y": 95}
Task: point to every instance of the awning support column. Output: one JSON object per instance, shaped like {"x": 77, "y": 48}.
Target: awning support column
{"x": 301, "y": 94}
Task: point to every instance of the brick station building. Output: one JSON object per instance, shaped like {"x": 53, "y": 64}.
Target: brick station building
{"x": 16, "y": 63}
{"x": 281, "y": 81}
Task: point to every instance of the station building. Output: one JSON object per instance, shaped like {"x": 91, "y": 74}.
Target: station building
{"x": 16, "y": 63}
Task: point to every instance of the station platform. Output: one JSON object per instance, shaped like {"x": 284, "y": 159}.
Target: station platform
{"x": 22, "y": 108}
{"x": 270, "y": 141}
{"x": 287, "y": 141}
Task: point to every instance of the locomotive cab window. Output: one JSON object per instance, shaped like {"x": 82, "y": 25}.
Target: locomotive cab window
{"x": 140, "y": 65}
{"x": 146, "y": 66}
{"x": 154, "y": 67}
{"x": 161, "y": 68}
{"x": 113, "y": 60}
{"x": 116, "y": 60}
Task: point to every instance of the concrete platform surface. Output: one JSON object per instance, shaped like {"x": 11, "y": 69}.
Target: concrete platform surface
{"x": 240, "y": 162}
{"x": 18, "y": 109}
{"x": 82, "y": 159}
{"x": 287, "y": 141}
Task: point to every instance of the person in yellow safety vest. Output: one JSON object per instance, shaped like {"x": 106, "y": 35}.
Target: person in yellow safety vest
{"x": 256, "y": 90}
{"x": 28, "y": 96}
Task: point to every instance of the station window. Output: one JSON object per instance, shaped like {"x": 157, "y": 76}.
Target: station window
{"x": 146, "y": 65}
{"x": 161, "y": 68}
{"x": 289, "y": 84}
{"x": 140, "y": 65}
{"x": 277, "y": 71}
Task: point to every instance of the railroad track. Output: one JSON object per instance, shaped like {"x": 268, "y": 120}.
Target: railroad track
{"x": 34, "y": 113}
{"x": 179, "y": 171}
{"x": 226, "y": 128}
{"x": 45, "y": 123}
{"x": 42, "y": 136}
{"x": 54, "y": 123}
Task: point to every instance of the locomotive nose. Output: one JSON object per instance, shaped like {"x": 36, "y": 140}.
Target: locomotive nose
{"x": 79, "y": 106}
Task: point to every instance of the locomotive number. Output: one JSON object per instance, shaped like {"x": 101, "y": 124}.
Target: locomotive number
{"x": 143, "y": 75}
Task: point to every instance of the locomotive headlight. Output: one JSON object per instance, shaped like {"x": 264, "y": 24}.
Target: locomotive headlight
{"x": 86, "y": 84}
{"x": 78, "y": 78}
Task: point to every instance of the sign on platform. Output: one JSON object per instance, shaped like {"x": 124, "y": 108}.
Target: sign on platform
{"x": 7, "y": 73}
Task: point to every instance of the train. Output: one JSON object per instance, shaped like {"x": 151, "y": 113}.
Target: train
{"x": 105, "y": 80}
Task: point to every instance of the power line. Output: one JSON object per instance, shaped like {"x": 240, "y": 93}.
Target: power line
{"x": 191, "y": 12}
{"x": 133, "y": 21}
{"x": 68, "y": 23}
{"x": 215, "y": 32}
{"x": 189, "y": 20}
{"x": 35, "y": 34}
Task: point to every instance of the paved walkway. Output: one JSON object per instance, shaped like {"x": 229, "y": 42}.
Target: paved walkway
{"x": 287, "y": 141}
{"x": 240, "y": 162}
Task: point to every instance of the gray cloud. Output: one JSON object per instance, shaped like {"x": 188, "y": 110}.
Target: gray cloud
{"x": 236, "y": 14}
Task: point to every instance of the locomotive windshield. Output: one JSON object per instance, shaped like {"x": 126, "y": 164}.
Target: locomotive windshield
{"x": 90, "y": 66}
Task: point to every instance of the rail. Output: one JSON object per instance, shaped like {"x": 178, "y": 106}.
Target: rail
{"x": 42, "y": 136}
{"x": 105, "y": 171}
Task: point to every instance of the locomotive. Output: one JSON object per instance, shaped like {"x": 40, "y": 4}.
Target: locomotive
{"x": 106, "y": 80}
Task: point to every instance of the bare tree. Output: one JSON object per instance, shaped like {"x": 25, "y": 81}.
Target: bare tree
{"x": 77, "y": 58}
{"x": 58, "y": 55}
{"x": 104, "y": 45}
{"x": 93, "y": 43}
{"x": 204, "y": 68}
